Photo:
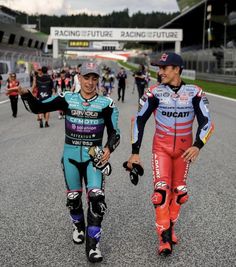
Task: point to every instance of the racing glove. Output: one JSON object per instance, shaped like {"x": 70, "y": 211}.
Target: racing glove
{"x": 96, "y": 154}
{"x": 134, "y": 173}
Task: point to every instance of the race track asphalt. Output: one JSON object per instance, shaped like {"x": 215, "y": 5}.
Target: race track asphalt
{"x": 35, "y": 228}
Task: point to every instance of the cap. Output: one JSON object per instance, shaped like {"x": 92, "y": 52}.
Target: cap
{"x": 89, "y": 67}
{"x": 170, "y": 59}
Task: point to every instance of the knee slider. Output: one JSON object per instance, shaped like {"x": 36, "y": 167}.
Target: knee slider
{"x": 158, "y": 197}
{"x": 74, "y": 201}
{"x": 97, "y": 203}
{"x": 181, "y": 199}
{"x": 182, "y": 194}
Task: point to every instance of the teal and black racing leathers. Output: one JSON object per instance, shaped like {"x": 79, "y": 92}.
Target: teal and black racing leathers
{"x": 85, "y": 120}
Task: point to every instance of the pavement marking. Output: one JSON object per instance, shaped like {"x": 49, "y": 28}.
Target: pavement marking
{"x": 5, "y": 101}
{"x": 219, "y": 96}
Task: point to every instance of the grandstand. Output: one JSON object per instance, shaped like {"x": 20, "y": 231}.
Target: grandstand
{"x": 209, "y": 37}
{"x": 208, "y": 46}
{"x": 19, "y": 45}
{"x": 186, "y": 4}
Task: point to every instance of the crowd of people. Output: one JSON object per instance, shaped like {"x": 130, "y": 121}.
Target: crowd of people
{"x": 46, "y": 82}
{"x": 85, "y": 100}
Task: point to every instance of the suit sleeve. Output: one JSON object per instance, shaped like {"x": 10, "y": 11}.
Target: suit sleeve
{"x": 51, "y": 104}
{"x": 147, "y": 104}
{"x": 111, "y": 115}
{"x": 205, "y": 125}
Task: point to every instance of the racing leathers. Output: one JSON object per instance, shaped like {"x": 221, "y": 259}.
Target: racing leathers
{"x": 174, "y": 111}
{"x": 85, "y": 121}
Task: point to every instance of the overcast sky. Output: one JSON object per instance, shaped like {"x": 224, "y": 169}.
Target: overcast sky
{"x": 68, "y": 7}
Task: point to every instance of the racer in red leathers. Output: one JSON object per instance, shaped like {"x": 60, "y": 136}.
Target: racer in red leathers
{"x": 174, "y": 105}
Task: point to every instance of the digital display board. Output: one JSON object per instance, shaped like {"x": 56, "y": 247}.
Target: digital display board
{"x": 74, "y": 43}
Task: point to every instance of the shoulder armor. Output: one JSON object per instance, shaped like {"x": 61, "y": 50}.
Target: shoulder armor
{"x": 111, "y": 102}
{"x": 199, "y": 91}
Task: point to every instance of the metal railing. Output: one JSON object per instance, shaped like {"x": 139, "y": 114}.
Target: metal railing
{"x": 210, "y": 64}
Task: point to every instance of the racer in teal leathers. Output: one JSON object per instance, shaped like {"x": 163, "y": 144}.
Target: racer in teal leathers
{"x": 84, "y": 157}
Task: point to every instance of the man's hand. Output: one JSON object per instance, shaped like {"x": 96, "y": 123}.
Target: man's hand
{"x": 100, "y": 159}
{"x": 134, "y": 167}
{"x": 134, "y": 158}
{"x": 106, "y": 155}
{"x": 191, "y": 154}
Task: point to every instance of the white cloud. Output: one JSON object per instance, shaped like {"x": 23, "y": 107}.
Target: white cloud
{"x": 40, "y": 7}
{"x": 59, "y": 7}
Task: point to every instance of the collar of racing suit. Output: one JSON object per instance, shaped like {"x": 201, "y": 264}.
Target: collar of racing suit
{"x": 175, "y": 88}
{"x": 89, "y": 99}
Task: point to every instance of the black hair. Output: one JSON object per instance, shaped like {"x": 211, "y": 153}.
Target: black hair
{"x": 44, "y": 69}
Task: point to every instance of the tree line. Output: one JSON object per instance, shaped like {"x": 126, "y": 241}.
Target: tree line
{"x": 116, "y": 19}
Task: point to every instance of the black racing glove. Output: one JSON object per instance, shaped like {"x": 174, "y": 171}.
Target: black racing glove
{"x": 96, "y": 154}
{"x": 136, "y": 170}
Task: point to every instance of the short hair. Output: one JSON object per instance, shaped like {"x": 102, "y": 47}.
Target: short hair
{"x": 44, "y": 69}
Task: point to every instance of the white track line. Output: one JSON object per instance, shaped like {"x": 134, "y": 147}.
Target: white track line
{"x": 5, "y": 101}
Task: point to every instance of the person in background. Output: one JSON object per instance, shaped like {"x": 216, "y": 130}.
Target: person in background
{"x": 147, "y": 77}
{"x": 107, "y": 82}
{"x": 76, "y": 83}
{"x": 44, "y": 86}
{"x": 63, "y": 85}
{"x": 121, "y": 77}
{"x": 12, "y": 91}
{"x": 0, "y": 82}
{"x": 140, "y": 80}
{"x": 174, "y": 105}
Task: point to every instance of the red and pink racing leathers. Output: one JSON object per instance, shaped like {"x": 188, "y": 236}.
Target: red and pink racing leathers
{"x": 174, "y": 112}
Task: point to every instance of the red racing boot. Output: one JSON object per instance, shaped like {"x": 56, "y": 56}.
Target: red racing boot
{"x": 165, "y": 246}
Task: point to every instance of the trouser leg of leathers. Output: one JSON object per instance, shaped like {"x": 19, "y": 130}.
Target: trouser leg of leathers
{"x": 178, "y": 197}
{"x": 161, "y": 201}
{"x": 96, "y": 210}
{"x": 74, "y": 203}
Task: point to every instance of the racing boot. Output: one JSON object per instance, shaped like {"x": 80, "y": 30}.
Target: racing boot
{"x": 165, "y": 246}
{"x": 179, "y": 197}
{"x": 79, "y": 232}
{"x": 93, "y": 251}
